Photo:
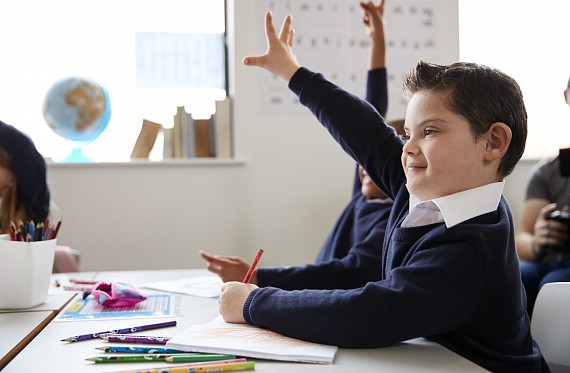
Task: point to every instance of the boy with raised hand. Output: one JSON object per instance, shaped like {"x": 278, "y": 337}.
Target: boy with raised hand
{"x": 450, "y": 271}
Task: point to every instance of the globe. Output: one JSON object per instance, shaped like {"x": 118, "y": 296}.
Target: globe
{"x": 77, "y": 109}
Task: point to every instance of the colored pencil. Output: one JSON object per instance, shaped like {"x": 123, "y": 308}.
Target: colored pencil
{"x": 190, "y": 358}
{"x": 213, "y": 366}
{"x": 128, "y": 358}
{"x": 197, "y": 358}
{"x": 126, "y": 338}
{"x": 252, "y": 266}
{"x": 56, "y": 230}
{"x": 140, "y": 350}
{"x": 83, "y": 282}
{"x": 77, "y": 288}
{"x": 123, "y": 331}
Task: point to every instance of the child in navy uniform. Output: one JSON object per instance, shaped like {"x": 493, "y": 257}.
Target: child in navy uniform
{"x": 449, "y": 267}
{"x": 351, "y": 255}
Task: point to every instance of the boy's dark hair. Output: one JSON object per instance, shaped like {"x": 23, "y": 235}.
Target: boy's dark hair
{"x": 482, "y": 95}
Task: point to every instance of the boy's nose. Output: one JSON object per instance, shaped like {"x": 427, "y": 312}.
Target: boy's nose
{"x": 410, "y": 146}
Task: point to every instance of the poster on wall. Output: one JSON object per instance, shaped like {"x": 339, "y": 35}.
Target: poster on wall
{"x": 330, "y": 38}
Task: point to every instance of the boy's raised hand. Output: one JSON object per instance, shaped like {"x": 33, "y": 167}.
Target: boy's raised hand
{"x": 279, "y": 58}
{"x": 373, "y": 18}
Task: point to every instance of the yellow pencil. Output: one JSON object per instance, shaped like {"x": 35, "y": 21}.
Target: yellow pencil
{"x": 206, "y": 367}
{"x": 232, "y": 367}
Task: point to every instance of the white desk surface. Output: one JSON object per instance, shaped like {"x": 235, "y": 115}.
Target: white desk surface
{"x": 15, "y": 328}
{"x": 411, "y": 356}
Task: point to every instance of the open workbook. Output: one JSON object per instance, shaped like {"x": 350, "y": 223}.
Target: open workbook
{"x": 246, "y": 340}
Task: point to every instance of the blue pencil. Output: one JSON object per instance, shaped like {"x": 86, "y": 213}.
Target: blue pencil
{"x": 141, "y": 350}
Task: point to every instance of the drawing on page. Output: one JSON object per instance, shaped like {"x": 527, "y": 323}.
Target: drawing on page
{"x": 250, "y": 335}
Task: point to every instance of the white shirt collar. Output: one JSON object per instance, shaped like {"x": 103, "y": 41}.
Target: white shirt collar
{"x": 454, "y": 208}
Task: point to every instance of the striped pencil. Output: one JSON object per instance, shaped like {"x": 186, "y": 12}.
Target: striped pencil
{"x": 140, "y": 350}
{"x": 126, "y": 338}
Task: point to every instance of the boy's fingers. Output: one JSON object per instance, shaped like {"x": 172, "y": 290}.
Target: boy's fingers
{"x": 212, "y": 259}
{"x": 253, "y": 60}
{"x": 285, "y": 32}
{"x": 381, "y": 7}
{"x": 269, "y": 29}
{"x": 205, "y": 255}
{"x": 291, "y": 40}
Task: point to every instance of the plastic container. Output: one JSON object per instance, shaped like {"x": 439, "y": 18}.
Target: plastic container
{"x": 25, "y": 272}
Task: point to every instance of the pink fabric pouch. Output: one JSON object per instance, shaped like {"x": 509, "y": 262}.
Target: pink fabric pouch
{"x": 116, "y": 294}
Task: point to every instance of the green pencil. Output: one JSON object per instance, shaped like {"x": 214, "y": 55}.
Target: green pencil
{"x": 197, "y": 358}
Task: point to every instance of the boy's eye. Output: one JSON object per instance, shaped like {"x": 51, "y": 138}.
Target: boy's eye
{"x": 428, "y": 131}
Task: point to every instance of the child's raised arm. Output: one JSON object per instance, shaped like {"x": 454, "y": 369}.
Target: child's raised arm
{"x": 279, "y": 58}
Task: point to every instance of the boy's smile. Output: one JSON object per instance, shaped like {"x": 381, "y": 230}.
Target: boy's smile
{"x": 442, "y": 155}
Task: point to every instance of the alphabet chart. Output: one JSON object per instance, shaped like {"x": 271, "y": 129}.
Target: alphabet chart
{"x": 330, "y": 38}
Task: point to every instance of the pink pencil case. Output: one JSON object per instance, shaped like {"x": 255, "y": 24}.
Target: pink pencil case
{"x": 115, "y": 294}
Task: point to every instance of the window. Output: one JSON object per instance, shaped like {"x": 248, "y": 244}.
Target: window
{"x": 45, "y": 41}
{"x": 529, "y": 41}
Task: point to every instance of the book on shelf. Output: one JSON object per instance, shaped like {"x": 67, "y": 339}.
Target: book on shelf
{"x": 217, "y": 336}
{"x": 204, "y": 137}
{"x": 168, "y": 149}
{"x": 182, "y": 137}
{"x": 146, "y": 139}
{"x": 223, "y": 128}
{"x": 192, "y": 137}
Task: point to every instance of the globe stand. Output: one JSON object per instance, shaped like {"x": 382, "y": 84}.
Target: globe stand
{"x": 76, "y": 156}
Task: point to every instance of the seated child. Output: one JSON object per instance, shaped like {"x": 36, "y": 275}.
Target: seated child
{"x": 449, "y": 270}
{"x": 24, "y": 192}
{"x": 350, "y": 257}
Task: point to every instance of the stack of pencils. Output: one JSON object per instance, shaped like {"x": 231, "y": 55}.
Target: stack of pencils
{"x": 30, "y": 231}
{"x": 198, "y": 362}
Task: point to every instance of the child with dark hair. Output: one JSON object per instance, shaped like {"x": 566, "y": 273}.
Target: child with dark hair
{"x": 351, "y": 254}
{"x": 449, "y": 270}
{"x": 23, "y": 185}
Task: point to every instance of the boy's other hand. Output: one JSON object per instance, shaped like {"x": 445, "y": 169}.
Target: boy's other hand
{"x": 279, "y": 58}
{"x": 228, "y": 268}
{"x": 232, "y": 300}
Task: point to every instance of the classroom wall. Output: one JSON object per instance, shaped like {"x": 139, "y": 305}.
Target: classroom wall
{"x": 283, "y": 192}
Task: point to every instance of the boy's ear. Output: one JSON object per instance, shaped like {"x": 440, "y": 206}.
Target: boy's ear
{"x": 497, "y": 140}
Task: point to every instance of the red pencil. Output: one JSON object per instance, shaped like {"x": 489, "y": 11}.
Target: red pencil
{"x": 12, "y": 230}
{"x": 54, "y": 232}
{"x": 252, "y": 266}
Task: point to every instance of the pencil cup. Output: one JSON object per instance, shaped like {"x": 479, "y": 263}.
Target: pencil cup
{"x": 25, "y": 272}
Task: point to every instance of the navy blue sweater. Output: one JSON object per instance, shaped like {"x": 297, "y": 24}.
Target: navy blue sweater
{"x": 351, "y": 255}
{"x": 458, "y": 286}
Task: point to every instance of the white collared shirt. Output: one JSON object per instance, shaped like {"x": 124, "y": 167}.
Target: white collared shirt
{"x": 454, "y": 208}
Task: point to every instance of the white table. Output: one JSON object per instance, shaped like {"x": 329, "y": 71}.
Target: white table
{"x": 411, "y": 356}
{"x": 17, "y": 329}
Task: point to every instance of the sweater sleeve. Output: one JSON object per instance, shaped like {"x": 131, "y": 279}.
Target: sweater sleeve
{"x": 377, "y": 95}
{"x": 358, "y": 128}
{"x": 377, "y": 90}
